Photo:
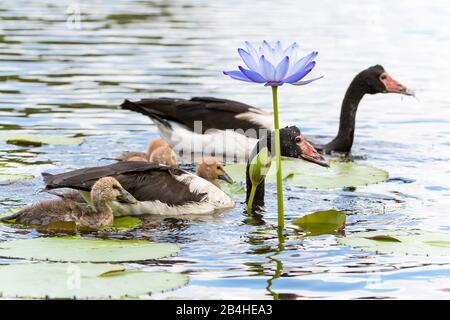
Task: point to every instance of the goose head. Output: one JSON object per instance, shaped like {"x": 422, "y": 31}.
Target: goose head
{"x": 294, "y": 145}
{"x": 209, "y": 168}
{"x": 108, "y": 189}
{"x": 377, "y": 80}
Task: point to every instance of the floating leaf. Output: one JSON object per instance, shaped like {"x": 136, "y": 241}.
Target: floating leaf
{"x": 83, "y": 281}
{"x": 78, "y": 249}
{"x": 10, "y": 178}
{"x": 322, "y": 222}
{"x": 382, "y": 237}
{"x": 235, "y": 190}
{"x": 125, "y": 223}
{"x": 37, "y": 139}
{"x": 304, "y": 174}
{"x": 408, "y": 242}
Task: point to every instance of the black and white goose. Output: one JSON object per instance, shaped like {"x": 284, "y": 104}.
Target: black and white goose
{"x": 206, "y": 124}
{"x": 164, "y": 190}
{"x": 159, "y": 189}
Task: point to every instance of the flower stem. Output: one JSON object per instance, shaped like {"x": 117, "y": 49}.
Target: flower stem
{"x": 278, "y": 160}
{"x": 250, "y": 199}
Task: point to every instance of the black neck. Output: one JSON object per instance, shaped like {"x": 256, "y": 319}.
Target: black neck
{"x": 344, "y": 139}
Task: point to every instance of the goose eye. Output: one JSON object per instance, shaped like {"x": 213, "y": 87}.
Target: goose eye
{"x": 298, "y": 139}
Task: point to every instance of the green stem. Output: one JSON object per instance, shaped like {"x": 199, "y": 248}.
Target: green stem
{"x": 278, "y": 161}
{"x": 250, "y": 199}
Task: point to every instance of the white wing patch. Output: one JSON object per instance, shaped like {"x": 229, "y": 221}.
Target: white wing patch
{"x": 214, "y": 200}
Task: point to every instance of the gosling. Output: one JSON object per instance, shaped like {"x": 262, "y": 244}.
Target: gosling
{"x": 210, "y": 169}
{"x": 105, "y": 191}
{"x": 158, "y": 151}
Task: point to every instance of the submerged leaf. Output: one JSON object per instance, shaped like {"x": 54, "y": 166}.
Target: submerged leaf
{"x": 37, "y": 139}
{"x": 304, "y": 174}
{"x": 322, "y": 222}
{"x": 68, "y": 227}
{"x": 406, "y": 242}
{"x": 78, "y": 249}
{"x": 83, "y": 281}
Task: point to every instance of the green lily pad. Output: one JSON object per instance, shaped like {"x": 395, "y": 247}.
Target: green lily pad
{"x": 300, "y": 173}
{"x": 406, "y": 242}
{"x": 78, "y": 249}
{"x": 37, "y": 139}
{"x": 83, "y": 281}
{"x": 125, "y": 223}
{"x": 322, "y": 222}
{"x": 10, "y": 178}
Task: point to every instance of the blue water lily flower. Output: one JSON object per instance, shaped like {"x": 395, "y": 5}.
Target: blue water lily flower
{"x": 274, "y": 66}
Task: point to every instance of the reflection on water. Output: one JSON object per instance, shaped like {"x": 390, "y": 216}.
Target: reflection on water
{"x": 65, "y": 73}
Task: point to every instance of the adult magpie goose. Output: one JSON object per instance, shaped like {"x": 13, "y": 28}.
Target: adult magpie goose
{"x": 203, "y": 123}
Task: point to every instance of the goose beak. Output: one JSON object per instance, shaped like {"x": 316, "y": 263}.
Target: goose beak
{"x": 393, "y": 86}
{"x": 126, "y": 197}
{"x": 309, "y": 153}
{"x": 225, "y": 177}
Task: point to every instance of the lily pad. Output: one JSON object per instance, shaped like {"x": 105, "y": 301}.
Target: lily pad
{"x": 300, "y": 173}
{"x": 37, "y": 139}
{"x": 78, "y": 249}
{"x": 83, "y": 281}
{"x": 406, "y": 242}
{"x": 322, "y": 222}
{"x": 125, "y": 223}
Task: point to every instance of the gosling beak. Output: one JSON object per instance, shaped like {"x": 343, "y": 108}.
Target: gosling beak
{"x": 126, "y": 197}
{"x": 225, "y": 177}
{"x": 309, "y": 153}
{"x": 393, "y": 86}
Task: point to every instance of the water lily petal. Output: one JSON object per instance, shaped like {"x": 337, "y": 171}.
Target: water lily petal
{"x": 251, "y": 49}
{"x": 301, "y": 64}
{"x": 248, "y": 60}
{"x": 291, "y": 52}
{"x": 300, "y": 83}
{"x": 301, "y": 74}
{"x": 237, "y": 75}
{"x": 252, "y": 75}
{"x": 268, "y": 52}
{"x": 268, "y": 70}
{"x": 282, "y": 68}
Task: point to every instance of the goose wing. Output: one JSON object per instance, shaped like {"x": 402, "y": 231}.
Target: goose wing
{"x": 145, "y": 181}
{"x": 220, "y": 114}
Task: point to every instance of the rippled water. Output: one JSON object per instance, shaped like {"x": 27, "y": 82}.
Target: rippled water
{"x": 61, "y": 76}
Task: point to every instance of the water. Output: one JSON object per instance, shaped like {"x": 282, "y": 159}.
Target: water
{"x": 61, "y": 76}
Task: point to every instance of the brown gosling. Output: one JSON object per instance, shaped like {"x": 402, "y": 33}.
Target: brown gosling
{"x": 164, "y": 155}
{"x": 158, "y": 151}
{"x": 104, "y": 191}
{"x": 210, "y": 169}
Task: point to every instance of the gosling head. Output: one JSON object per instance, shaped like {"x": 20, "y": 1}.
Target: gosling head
{"x": 155, "y": 144}
{"x": 108, "y": 189}
{"x": 164, "y": 155}
{"x": 209, "y": 168}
